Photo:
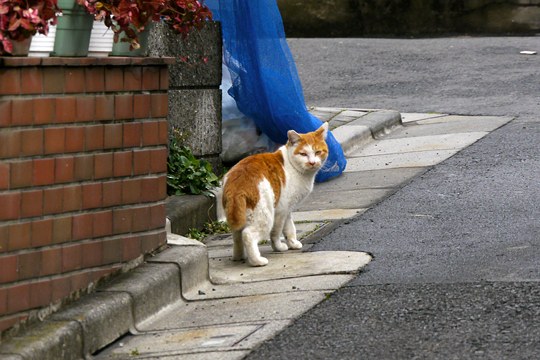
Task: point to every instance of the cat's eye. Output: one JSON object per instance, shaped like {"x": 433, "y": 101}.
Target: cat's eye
{"x": 318, "y": 153}
{"x": 303, "y": 154}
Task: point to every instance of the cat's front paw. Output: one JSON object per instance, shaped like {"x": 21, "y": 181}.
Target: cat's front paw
{"x": 295, "y": 244}
{"x": 260, "y": 261}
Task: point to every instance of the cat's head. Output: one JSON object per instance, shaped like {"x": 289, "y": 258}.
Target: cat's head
{"x": 308, "y": 152}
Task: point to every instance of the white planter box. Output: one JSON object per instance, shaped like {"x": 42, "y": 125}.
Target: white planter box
{"x": 101, "y": 40}
{"x": 42, "y": 45}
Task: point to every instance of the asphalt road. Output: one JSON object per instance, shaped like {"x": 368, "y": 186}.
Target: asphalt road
{"x": 482, "y": 76}
{"x": 457, "y": 251}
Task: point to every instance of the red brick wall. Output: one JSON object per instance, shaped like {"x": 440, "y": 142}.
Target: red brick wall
{"x": 82, "y": 174}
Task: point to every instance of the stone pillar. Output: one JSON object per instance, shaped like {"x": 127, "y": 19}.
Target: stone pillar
{"x": 194, "y": 94}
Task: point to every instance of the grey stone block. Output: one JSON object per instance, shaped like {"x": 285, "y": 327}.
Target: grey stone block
{"x": 197, "y": 57}
{"x": 50, "y": 340}
{"x": 151, "y": 287}
{"x": 352, "y": 137}
{"x": 11, "y": 357}
{"x": 192, "y": 261}
{"x": 196, "y": 114}
{"x": 189, "y": 212}
{"x": 379, "y": 122}
{"x": 103, "y": 316}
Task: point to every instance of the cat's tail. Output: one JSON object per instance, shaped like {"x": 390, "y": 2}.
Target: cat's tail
{"x": 235, "y": 210}
{"x": 220, "y": 211}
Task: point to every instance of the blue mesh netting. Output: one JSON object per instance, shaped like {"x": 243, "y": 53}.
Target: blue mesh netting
{"x": 265, "y": 81}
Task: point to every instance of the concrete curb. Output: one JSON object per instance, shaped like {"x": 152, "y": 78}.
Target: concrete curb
{"x": 192, "y": 261}
{"x": 358, "y": 132}
{"x": 189, "y": 211}
{"x": 115, "y": 309}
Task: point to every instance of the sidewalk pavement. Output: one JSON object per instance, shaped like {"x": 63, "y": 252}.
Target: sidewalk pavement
{"x": 191, "y": 301}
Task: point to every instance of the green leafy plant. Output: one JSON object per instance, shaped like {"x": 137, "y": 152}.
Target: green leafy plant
{"x": 217, "y": 227}
{"x": 186, "y": 174}
{"x": 196, "y": 234}
{"x": 210, "y": 228}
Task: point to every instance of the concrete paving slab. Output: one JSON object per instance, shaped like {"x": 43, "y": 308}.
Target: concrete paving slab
{"x": 323, "y": 115}
{"x": 209, "y": 339}
{"x": 218, "y": 240}
{"x": 451, "y": 118}
{"x": 269, "y": 330}
{"x": 209, "y": 290}
{"x": 344, "y": 118}
{"x": 411, "y": 117}
{"x": 181, "y": 341}
{"x": 335, "y": 124}
{"x": 353, "y": 113}
{"x": 393, "y": 161}
{"x": 221, "y": 355}
{"x": 330, "y": 214}
{"x": 221, "y": 251}
{"x": 450, "y": 124}
{"x": 225, "y": 251}
{"x": 261, "y": 308}
{"x": 347, "y": 199}
{"x": 288, "y": 264}
{"x": 454, "y": 141}
{"x": 213, "y": 355}
{"x": 306, "y": 228}
{"x": 370, "y": 179}
{"x": 222, "y": 247}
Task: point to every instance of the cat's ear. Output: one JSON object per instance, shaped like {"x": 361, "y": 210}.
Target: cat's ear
{"x": 293, "y": 137}
{"x": 323, "y": 130}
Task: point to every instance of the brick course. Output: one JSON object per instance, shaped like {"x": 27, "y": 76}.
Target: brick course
{"x": 82, "y": 174}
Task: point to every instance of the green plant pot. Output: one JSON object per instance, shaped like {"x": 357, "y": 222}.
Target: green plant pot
{"x": 73, "y": 30}
{"x": 121, "y": 48}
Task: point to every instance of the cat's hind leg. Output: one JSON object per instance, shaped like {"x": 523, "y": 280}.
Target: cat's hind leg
{"x": 289, "y": 231}
{"x": 238, "y": 246}
{"x": 275, "y": 234}
{"x": 250, "y": 239}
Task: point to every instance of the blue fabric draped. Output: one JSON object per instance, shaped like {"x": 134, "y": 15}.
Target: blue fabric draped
{"x": 266, "y": 85}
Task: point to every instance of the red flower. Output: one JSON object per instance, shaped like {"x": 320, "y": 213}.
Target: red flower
{"x": 132, "y": 16}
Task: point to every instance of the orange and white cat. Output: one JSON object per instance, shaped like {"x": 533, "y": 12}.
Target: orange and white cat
{"x": 260, "y": 192}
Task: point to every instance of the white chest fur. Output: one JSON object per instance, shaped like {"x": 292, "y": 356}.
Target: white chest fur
{"x": 298, "y": 186}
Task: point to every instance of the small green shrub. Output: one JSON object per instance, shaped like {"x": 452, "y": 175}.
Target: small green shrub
{"x": 210, "y": 228}
{"x": 196, "y": 234}
{"x": 186, "y": 174}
